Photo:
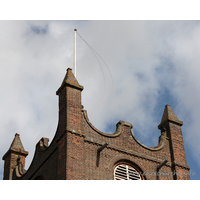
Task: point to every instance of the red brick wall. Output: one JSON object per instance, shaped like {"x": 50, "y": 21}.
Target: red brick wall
{"x": 82, "y": 154}
{"x": 61, "y": 160}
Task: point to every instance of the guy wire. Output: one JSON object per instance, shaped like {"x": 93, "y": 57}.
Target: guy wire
{"x": 93, "y": 51}
{"x": 101, "y": 70}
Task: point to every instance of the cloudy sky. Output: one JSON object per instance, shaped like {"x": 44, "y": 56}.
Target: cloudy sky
{"x": 146, "y": 65}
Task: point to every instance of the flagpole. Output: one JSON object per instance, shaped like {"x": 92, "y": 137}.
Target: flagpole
{"x": 75, "y": 52}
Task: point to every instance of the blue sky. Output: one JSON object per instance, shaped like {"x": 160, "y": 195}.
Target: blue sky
{"x": 152, "y": 63}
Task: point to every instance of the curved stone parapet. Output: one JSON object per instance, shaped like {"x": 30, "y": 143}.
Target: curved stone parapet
{"x": 120, "y": 127}
{"x": 160, "y": 145}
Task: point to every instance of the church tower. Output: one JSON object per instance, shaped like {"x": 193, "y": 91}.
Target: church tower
{"x": 79, "y": 151}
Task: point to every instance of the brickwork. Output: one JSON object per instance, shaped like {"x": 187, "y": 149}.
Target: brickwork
{"x": 172, "y": 126}
{"x": 79, "y": 151}
{"x": 61, "y": 161}
{"x": 15, "y": 154}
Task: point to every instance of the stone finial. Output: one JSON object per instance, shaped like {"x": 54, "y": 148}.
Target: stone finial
{"x": 16, "y": 146}
{"x": 169, "y": 115}
{"x": 70, "y": 80}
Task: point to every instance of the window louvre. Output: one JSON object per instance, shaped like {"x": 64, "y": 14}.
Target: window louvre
{"x": 126, "y": 172}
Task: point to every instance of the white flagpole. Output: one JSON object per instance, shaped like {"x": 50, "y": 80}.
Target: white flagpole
{"x": 75, "y": 52}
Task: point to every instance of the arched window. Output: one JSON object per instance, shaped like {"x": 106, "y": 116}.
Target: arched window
{"x": 126, "y": 172}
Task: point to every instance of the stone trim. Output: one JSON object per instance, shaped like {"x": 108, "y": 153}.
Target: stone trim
{"x": 181, "y": 165}
{"x": 157, "y": 148}
{"x": 134, "y": 153}
{"x": 122, "y": 159}
{"x": 126, "y": 151}
{"x": 16, "y": 151}
{"x": 120, "y": 127}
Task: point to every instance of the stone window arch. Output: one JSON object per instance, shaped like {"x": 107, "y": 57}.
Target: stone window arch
{"x": 125, "y": 170}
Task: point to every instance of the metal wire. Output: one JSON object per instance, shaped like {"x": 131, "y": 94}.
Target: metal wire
{"x": 96, "y": 54}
